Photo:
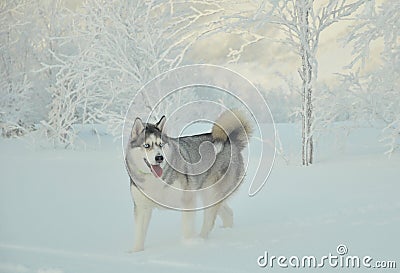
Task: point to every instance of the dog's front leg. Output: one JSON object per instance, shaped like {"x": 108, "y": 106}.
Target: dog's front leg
{"x": 188, "y": 217}
{"x": 188, "y": 224}
{"x": 142, "y": 219}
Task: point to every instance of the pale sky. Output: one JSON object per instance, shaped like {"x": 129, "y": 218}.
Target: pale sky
{"x": 260, "y": 62}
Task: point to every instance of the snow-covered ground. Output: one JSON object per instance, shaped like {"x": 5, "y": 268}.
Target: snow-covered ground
{"x": 71, "y": 211}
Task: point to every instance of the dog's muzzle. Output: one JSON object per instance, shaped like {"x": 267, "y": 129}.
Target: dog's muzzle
{"x": 155, "y": 169}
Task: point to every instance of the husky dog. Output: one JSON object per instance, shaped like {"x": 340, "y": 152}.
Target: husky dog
{"x": 211, "y": 163}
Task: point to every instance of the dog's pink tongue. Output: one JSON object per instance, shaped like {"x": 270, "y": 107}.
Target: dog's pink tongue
{"x": 157, "y": 170}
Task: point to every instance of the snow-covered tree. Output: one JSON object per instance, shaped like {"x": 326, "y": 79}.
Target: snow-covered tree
{"x": 25, "y": 30}
{"x": 121, "y": 46}
{"x": 375, "y": 92}
{"x": 302, "y": 22}
{"x": 15, "y": 85}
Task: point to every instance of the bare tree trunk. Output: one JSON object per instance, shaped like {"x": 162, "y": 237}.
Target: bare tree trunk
{"x": 303, "y": 26}
{"x": 306, "y": 74}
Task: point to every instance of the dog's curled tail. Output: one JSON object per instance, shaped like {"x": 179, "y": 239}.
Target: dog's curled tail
{"x": 232, "y": 125}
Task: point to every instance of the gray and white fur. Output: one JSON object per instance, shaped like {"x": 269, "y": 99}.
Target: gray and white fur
{"x": 211, "y": 161}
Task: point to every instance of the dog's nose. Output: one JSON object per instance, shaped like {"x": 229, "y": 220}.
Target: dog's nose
{"x": 159, "y": 158}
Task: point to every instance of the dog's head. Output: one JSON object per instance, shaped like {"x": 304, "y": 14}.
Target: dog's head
{"x": 145, "y": 146}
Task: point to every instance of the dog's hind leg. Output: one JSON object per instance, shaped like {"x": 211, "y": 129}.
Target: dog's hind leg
{"x": 226, "y": 215}
{"x": 209, "y": 220}
{"x": 142, "y": 219}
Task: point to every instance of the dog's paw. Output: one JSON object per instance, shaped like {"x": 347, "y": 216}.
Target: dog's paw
{"x": 227, "y": 225}
{"x": 136, "y": 249}
{"x": 187, "y": 235}
{"x": 204, "y": 235}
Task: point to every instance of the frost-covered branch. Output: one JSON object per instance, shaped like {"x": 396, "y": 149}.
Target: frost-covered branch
{"x": 121, "y": 45}
{"x": 376, "y": 92}
{"x": 302, "y": 24}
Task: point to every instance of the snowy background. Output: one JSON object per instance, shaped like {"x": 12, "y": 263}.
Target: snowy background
{"x": 71, "y": 211}
{"x": 70, "y": 69}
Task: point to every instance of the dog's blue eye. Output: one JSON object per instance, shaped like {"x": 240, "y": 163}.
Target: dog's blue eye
{"x": 146, "y": 145}
{"x": 161, "y": 144}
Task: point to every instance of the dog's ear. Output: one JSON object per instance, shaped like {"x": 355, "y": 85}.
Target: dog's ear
{"x": 137, "y": 128}
{"x": 160, "y": 123}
